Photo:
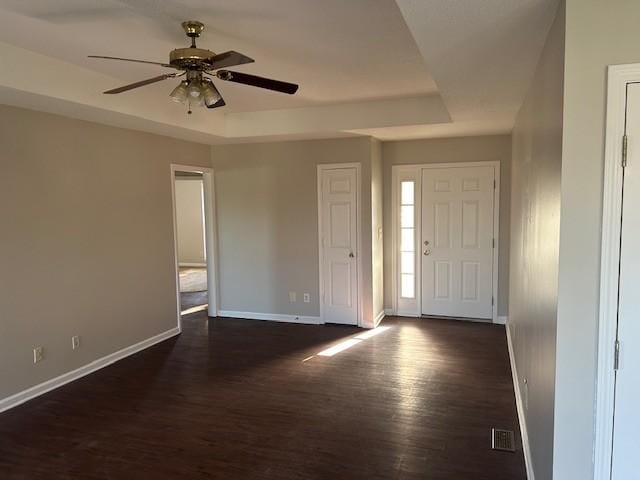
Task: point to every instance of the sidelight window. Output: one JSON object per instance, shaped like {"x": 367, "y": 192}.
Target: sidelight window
{"x": 407, "y": 240}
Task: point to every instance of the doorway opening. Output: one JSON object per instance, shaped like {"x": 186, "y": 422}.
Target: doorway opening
{"x": 194, "y": 235}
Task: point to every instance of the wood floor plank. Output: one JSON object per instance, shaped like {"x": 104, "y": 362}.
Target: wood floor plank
{"x": 244, "y": 399}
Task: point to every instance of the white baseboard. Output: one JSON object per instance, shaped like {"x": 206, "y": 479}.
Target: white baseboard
{"x": 37, "y": 390}
{"x": 378, "y": 319}
{"x": 271, "y": 316}
{"x": 501, "y": 320}
{"x": 192, "y": 264}
{"x": 520, "y": 407}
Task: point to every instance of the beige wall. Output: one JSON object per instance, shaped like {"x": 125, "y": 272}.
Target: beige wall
{"x": 598, "y": 34}
{"x": 535, "y": 224}
{"x": 86, "y": 223}
{"x": 190, "y": 220}
{"x": 377, "y": 250}
{"x": 444, "y": 150}
{"x": 267, "y": 210}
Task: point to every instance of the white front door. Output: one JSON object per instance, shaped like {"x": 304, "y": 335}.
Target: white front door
{"x": 626, "y": 430}
{"x": 338, "y": 232}
{"x": 457, "y": 241}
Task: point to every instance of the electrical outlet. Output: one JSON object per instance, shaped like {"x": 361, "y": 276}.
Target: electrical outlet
{"x": 38, "y": 354}
{"x": 292, "y": 297}
{"x": 75, "y": 342}
{"x": 306, "y": 297}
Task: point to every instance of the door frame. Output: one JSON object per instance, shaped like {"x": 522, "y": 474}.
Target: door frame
{"x": 619, "y": 76}
{"x": 320, "y": 170}
{"x": 415, "y": 171}
{"x": 210, "y": 235}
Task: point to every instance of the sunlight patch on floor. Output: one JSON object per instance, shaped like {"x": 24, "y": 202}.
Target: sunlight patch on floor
{"x": 340, "y": 347}
{"x": 371, "y": 333}
{"x": 346, "y": 344}
{"x": 198, "y": 308}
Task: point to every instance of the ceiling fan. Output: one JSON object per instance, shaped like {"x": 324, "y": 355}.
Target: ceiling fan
{"x": 197, "y": 65}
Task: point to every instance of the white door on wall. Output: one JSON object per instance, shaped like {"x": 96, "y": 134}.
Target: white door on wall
{"x": 626, "y": 431}
{"x": 457, "y": 241}
{"x": 338, "y": 236}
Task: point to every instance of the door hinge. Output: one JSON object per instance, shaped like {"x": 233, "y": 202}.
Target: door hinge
{"x": 493, "y": 301}
{"x": 493, "y": 243}
{"x": 616, "y": 355}
{"x": 494, "y": 184}
{"x": 625, "y": 149}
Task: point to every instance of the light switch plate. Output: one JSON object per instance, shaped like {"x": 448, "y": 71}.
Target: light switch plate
{"x": 38, "y": 354}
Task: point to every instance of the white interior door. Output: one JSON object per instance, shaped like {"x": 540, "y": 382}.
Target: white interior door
{"x": 626, "y": 431}
{"x": 339, "y": 241}
{"x": 457, "y": 241}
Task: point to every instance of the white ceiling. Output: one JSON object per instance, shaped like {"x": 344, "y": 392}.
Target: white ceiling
{"x": 365, "y": 67}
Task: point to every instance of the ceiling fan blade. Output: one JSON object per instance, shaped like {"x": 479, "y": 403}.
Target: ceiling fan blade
{"x": 228, "y": 59}
{"x": 255, "y": 81}
{"x": 141, "y": 83}
{"x": 132, "y": 60}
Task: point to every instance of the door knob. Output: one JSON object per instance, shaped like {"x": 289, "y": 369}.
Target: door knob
{"x": 351, "y": 255}
{"x": 427, "y": 250}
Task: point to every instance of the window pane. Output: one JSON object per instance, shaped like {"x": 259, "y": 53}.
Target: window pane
{"x": 406, "y": 216}
{"x": 407, "y": 263}
{"x": 407, "y": 243}
{"x": 407, "y": 289}
{"x": 406, "y": 197}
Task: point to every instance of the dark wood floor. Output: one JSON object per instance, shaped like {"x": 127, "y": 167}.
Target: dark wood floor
{"x": 235, "y": 399}
{"x": 192, "y": 299}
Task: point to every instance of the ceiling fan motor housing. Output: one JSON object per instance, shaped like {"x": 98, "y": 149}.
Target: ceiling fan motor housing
{"x": 191, "y": 58}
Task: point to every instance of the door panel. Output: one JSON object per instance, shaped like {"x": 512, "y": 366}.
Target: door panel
{"x": 340, "y": 285}
{"x": 442, "y": 280}
{"x": 457, "y": 241}
{"x": 442, "y": 226}
{"x": 626, "y": 436}
{"x": 339, "y": 240}
{"x": 339, "y": 228}
{"x": 470, "y": 222}
{"x": 470, "y": 280}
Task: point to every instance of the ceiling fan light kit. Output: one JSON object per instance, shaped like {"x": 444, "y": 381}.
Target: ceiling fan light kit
{"x": 209, "y": 93}
{"x": 197, "y": 64}
{"x": 179, "y": 94}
